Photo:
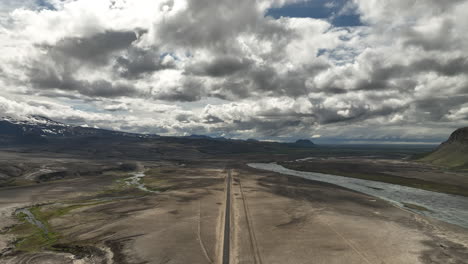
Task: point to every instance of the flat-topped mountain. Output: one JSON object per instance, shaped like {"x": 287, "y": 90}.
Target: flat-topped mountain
{"x": 452, "y": 153}
{"x": 304, "y": 143}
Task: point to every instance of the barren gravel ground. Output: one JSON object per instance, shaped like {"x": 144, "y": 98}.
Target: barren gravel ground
{"x": 274, "y": 219}
{"x": 295, "y": 221}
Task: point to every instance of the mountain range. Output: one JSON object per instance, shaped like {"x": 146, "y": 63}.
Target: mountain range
{"x": 46, "y": 133}
{"x": 37, "y": 129}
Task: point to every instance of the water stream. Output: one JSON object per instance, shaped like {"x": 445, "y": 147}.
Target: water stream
{"x": 135, "y": 180}
{"x": 32, "y": 219}
{"x": 445, "y": 207}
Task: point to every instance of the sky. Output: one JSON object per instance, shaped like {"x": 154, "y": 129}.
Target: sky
{"x": 328, "y": 70}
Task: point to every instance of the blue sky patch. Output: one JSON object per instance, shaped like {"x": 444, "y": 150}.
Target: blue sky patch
{"x": 44, "y": 4}
{"x": 337, "y": 12}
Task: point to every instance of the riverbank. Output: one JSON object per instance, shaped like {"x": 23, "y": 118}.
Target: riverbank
{"x": 331, "y": 224}
{"x": 449, "y": 208}
{"x": 394, "y": 171}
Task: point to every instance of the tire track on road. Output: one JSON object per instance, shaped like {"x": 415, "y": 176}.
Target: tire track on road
{"x": 202, "y": 245}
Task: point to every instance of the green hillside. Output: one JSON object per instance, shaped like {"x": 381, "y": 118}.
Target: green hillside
{"x": 453, "y": 153}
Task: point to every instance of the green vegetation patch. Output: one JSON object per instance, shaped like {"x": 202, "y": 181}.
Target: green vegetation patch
{"x": 48, "y": 214}
{"x": 34, "y": 238}
{"x": 454, "y": 156}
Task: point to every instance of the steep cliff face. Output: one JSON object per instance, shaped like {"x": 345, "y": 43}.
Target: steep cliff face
{"x": 453, "y": 153}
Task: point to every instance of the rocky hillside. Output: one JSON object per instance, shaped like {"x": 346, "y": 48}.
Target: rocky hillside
{"x": 460, "y": 136}
{"x": 453, "y": 153}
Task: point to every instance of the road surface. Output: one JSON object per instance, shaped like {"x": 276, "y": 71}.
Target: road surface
{"x": 227, "y": 221}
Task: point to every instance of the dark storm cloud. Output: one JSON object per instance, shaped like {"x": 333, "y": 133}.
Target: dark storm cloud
{"x": 399, "y": 77}
{"x": 436, "y": 108}
{"x": 290, "y": 83}
{"x": 219, "y": 67}
{"x": 202, "y": 25}
{"x": 95, "y": 49}
{"x": 231, "y": 89}
{"x": 241, "y": 79}
{"x": 451, "y": 67}
{"x": 378, "y": 76}
{"x": 207, "y": 25}
{"x": 330, "y": 90}
{"x": 57, "y": 68}
{"x": 138, "y": 62}
{"x": 263, "y": 80}
{"x": 49, "y": 78}
{"x": 189, "y": 90}
{"x": 217, "y": 27}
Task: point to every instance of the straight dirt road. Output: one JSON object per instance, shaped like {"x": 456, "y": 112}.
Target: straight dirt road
{"x": 227, "y": 221}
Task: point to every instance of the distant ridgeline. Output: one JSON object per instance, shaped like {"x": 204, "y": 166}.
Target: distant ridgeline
{"x": 37, "y": 129}
{"x": 453, "y": 153}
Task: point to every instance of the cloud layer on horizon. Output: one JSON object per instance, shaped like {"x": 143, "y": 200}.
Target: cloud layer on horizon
{"x": 177, "y": 67}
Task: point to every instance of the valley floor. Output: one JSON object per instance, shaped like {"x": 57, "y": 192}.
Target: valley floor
{"x": 100, "y": 216}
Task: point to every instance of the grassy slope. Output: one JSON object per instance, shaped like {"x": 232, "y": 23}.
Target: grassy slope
{"x": 449, "y": 155}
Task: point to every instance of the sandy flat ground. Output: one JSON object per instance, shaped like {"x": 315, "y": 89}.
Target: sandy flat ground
{"x": 294, "y": 222}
